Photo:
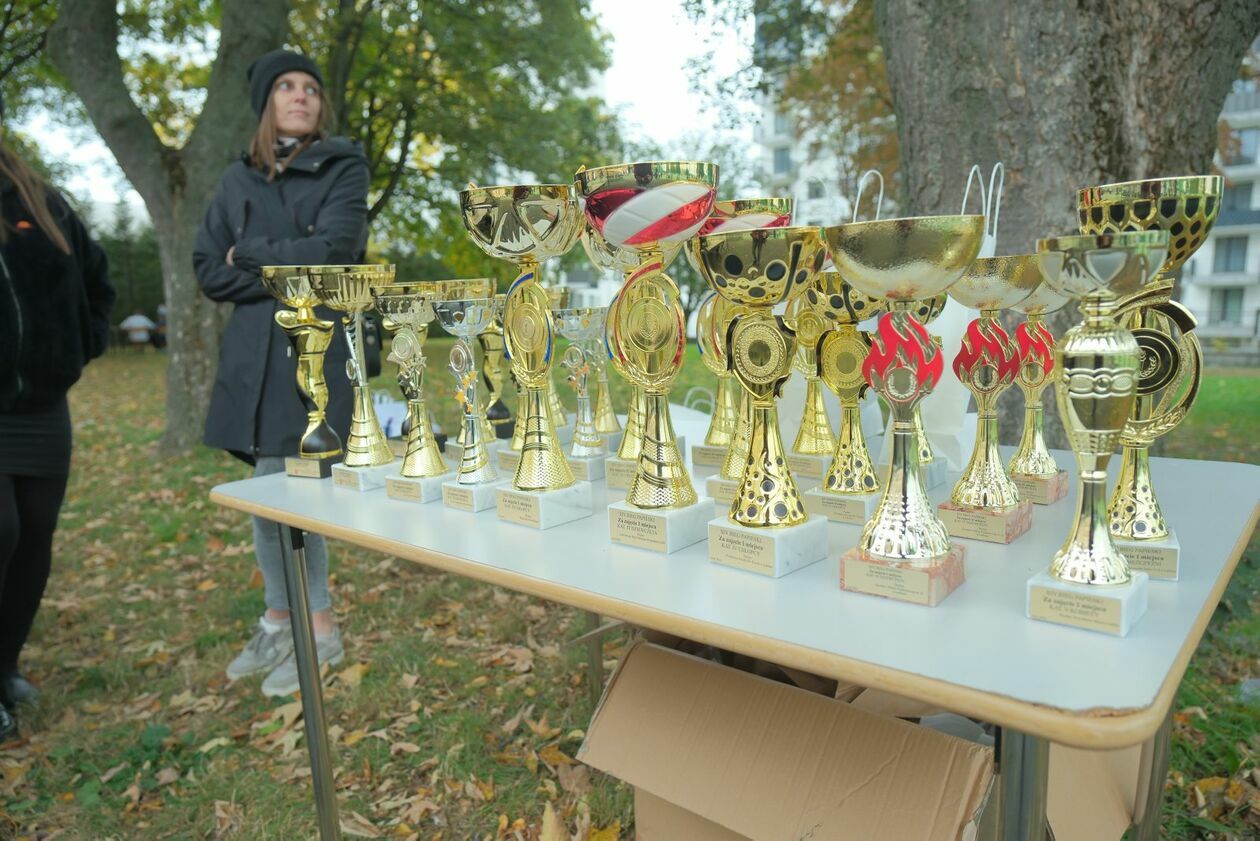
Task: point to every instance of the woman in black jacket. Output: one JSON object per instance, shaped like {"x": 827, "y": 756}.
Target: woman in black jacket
{"x": 55, "y": 300}
{"x": 296, "y": 198}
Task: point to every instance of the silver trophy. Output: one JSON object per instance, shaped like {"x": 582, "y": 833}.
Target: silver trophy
{"x": 584, "y": 327}
{"x": 465, "y": 320}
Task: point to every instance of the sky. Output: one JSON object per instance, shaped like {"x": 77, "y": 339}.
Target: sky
{"x": 647, "y": 83}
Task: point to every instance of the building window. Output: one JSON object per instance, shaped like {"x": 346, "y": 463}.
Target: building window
{"x": 1227, "y": 305}
{"x": 782, "y": 160}
{"x": 781, "y": 124}
{"x": 1230, "y": 254}
{"x": 1237, "y": 197}
{"x": 816, "y": 190}
{"x": 1243, "y": 146}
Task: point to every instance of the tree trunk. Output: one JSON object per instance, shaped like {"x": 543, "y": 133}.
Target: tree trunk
{"x": 176, "y": 184}
{"x": 1067, "y": 95}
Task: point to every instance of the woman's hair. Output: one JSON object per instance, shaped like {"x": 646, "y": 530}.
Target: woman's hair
{"x": 35, "y": 193}
{"x": 262, "y": 148}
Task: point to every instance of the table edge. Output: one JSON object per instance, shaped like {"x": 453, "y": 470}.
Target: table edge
{"x": 1097, "y": 729}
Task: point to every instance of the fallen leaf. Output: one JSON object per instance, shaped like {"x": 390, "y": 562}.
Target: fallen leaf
{"x": 207, "y": 585}
{"x": 612, "y": 832}
{"x": 575, "y": 779}
{"x": 358, "y": 826}
{"x": 509, "y": 726}
{"x": 167, "y": 776}
{"x": 554, "y": 757}
{"x": 113, "y": 772}
{"x": 552, "y": 827}
{"x": 217, "y": 742}
{"x": 353, "y": 675}
{"x": 403, "y": 747}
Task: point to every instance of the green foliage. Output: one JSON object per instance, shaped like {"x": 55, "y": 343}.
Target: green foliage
{"x": 135, "y": 267}
{"x": 24, "y": 28}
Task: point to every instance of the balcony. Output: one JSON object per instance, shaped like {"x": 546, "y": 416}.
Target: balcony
{"x": 1236, "y": 216}
{"x": 1242, "y": 101}
{"x": 1214, "y": 279}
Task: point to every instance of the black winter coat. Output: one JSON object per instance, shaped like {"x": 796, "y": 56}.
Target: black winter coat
{"x": 314, "y": 213}
{"x": 54, "y": 307}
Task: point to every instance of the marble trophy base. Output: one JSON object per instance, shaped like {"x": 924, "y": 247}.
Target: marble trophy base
{"x": 455, "y": 451}
{"x": 1041, "y": 490}
{"x": 397, "y": 446}
{"x": 311, "y": 468}
{"x": 618, "y": 471}
{"x": 544, "y": 509}
{"x": 663, "y": 530}
{"x": 363, "y": 478}
{"x": 587, "y": 468}
{"x": 984, "y": 523}
{"x": 707, "y": 460}
{"x": 861, "y": 572}
{"x": 471, "y": 497}
{"x": 1160, "y": 559}
{"x": 416, "y": 488}
{"x": 809, "y": 467}
{"x": 1110, "y": 610}
{"x": 842, "y": 508}
{"x": 507, "y": 458}
{"x": 722, "y": 490}
{"x": 772, "y": 552}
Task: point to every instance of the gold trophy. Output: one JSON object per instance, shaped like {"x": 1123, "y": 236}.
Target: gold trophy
{"x": 1033, "y": 468}
{"x": 584, "y": 327}
{"x": 1171, "y": 359}
{"x": 620, "y": 468}
{"x": 466, "y": 319}
{"x": 985, "y": 504}
{"x": 730, "y": 401}
{"x": 491, "y": 341}
{"x": 931, "y": 469}
{"x": 310, "y": 335}
{"x": 408, "y": 309}
{"x": 527, "y": 224}
{"x": 646, "y": 207}
{"x": 811, "y": 451}
{"x": 849, "y": 493}
{"x": 558, "y": 299}
{"x": 767, "y": 529}
{"x": 905, "y": 551}
{"x": 1089, "y": 583}
{"x": 348, "y": 290}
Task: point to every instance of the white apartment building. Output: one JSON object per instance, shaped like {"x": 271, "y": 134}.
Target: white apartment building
{"x": 1221, "y": 283}
{"x": 799, "y": 167}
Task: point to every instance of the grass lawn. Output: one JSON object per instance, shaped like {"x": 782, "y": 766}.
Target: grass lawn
{"x": 460, "y": 706}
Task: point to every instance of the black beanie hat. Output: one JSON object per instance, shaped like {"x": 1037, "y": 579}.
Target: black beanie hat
{"x": 263, "y": 72}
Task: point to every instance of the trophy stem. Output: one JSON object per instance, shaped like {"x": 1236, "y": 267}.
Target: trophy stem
{"x": 1089, "y": 556}
{"x": 632, "y": 441}
{"x": 921, "y": 441}
{"x": 725, "y": 416}
{"x": 518, "y": 432}
{"x": 366, "y": 446}
{"x": 737, "y": 452}
{"x": 497, "y": 415}
{"x": 905, "y": 526}
{"x": 1033, "y": 458}
{"x": 1134, "y": 513}
{"x": 605, "y": 415}
{"x": 422, "y": 458}
{"x": 661, "y": 479}
{"x": 984, "y": 483}
{"x": 814, "y": 438}
{"x": 586, "y": 438}
{"x": 542, "y": 466}
{"x": 559, "y": 415}
{"x": 767, "y": 495}
{"x": 475, "y": 465}
{"x": 852, "y": 470}
{"x": 310, "y": 338}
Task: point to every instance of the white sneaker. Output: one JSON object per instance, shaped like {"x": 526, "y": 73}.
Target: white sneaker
{"x": 265, "y": 651}
{"x": 283, "y": 679}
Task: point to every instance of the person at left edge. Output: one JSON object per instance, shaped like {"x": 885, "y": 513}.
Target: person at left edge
{"x": 298, "y": 197}
{"x": 55, "y": 301}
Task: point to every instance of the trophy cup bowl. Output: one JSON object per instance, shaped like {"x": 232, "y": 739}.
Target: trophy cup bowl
{"x": 348, "y": 290}
{"x": 1032, "y": 467}
{"x": 741, "y": 215}
{"x": 310, "y": 336}
{"x": 526, "y": 224}
{"x": 905, "y": 261}
{"x": 1096, "y": 384}
{"x": 987, "y": 363}
{"x": 758, "y": 269}
{"x": 1171, "y": 357}
{"x": 584, "y": 327}
{"x": 647, "y": 207}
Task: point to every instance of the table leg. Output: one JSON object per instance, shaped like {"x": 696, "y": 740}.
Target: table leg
{"x": 293, "y": 550}
{"x": 1150, "y": 794}
{"x": 594, "y": 658}
{"x": 1025, "y": 769}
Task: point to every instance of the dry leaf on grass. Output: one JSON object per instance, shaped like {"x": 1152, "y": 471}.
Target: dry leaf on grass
{"x": 357, "y": 826}
{"x": 167, "y": 776}
{"x": 353, "y": 675}
{"x": 553, "y": 828}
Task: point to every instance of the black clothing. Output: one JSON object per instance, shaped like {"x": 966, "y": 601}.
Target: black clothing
{"x": 28, "y": 518}
{"x": 36, "y": 443}
{"x": 314, "y": 213}
{"x": 54, "y": 307}
{"x": 263, "y": 72}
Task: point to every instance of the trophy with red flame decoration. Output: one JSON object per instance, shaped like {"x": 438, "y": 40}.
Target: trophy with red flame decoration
{"x": 905, "y": 551}
{"x": 1089, "y": 583}
{"x": 1033, "y": 469}
{"x": 985, "y": 504}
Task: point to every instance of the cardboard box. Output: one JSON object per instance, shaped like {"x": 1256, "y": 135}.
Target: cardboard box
{"x": 716, "y": 753}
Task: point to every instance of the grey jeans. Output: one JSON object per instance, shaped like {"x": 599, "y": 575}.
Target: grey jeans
{"x": 271, "y": 562}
